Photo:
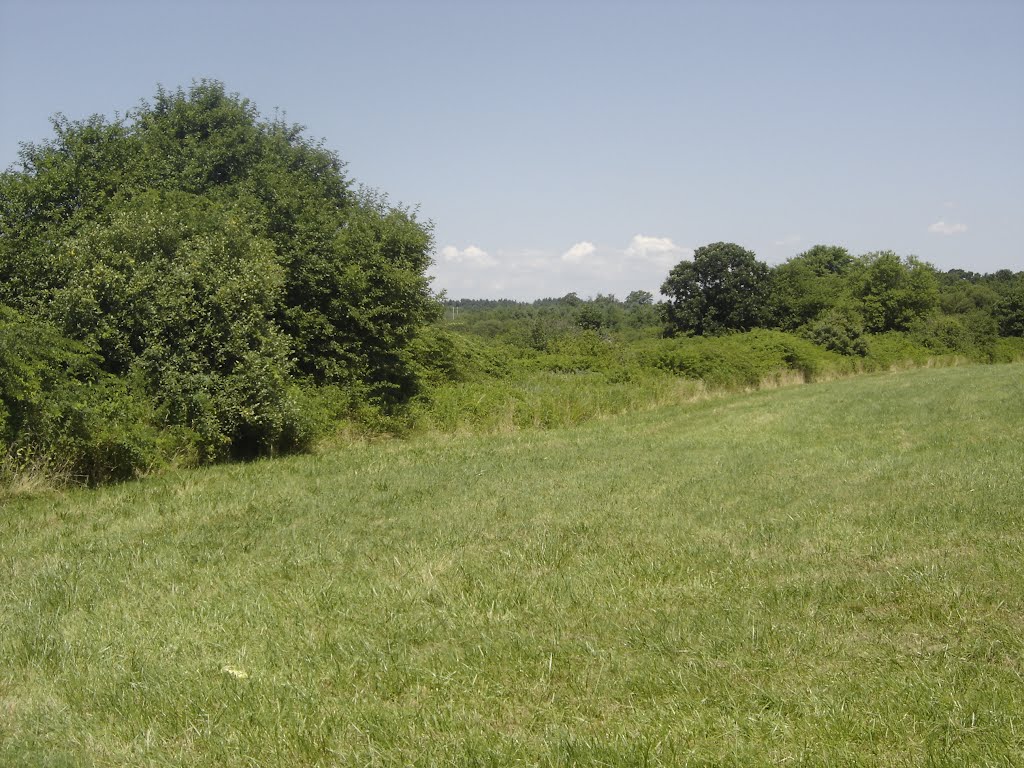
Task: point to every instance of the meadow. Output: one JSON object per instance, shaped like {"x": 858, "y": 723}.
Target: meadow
{"x": 827, "y": 574}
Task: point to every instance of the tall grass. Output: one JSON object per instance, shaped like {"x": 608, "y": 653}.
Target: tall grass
{"x": 546, "y": 400}
{"x": 586, "y": 377}
{"x": 820, "y": 575}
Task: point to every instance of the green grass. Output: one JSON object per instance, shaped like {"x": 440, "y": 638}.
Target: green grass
{"x": 818, "y": 575}
{"x": 547, "y": 400}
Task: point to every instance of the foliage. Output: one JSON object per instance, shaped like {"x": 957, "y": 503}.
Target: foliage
{"x": 724, "y": 288}
{"x": 637, "y": 299}
{"x": 640, "y": 310}
{"x": 1008, "y": 349}
{"x": 808, "y": 285}
{"x": 961, "y": 292}
{"x": 546, "y": 399}
{"x": 893, "y": 292}
{"x": 193, "y": 283}
{"x": 971, "y": 335}
{"x": 1009, "y": 312}
{"x": 895, "y": 349}
{"x": 216, "y": 262}
{"x": 589, "y": 318}
{"x": 355, "y": 301}
{"x": 444, "y": 356}
{"x": 744, "y": 360}
{"x": 544, "y": 338}
{"x": 839, "y": 329}
{"x": 59, "y": 411}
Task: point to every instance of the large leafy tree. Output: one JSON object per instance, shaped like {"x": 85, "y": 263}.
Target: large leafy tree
{"x": 1009, "y": 311}
{"x": 724, "y": 288}
{"x": 215, "y": 258}
{"x": 892, "y": 292}
{"x": 809, "y": 284}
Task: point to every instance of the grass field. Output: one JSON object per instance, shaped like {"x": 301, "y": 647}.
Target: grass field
{"x": 830, "y": 574}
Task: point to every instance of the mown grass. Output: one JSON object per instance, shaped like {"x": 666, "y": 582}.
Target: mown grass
{"x": 818, "y": 575}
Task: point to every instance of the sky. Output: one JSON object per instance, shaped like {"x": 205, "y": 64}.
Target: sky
{"x": 589, "y": 146}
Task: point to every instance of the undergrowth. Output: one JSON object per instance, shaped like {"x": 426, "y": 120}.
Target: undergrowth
{"x": 470, "y": 385}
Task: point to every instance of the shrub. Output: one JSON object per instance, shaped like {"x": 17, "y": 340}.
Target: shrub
{"x": 743, "y": 360}
{"x": 442, "y": 356}
{"x": 1008, "y": 350}
{"x": 62, "y": 413}
{"x": 972, "y": 334}
{"x": 894, "y": 348}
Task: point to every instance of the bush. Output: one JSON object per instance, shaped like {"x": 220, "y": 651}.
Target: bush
{"x": 59, "y": 411}
{"x": 441, "y": 356}
{"x": 971, "y": 335}
{"x": 894, "y": 348}
{"x": 744, "y": 360}
{"x": 839, "y": 329}
{"x": 1008, "y": 350}
{"x": 177, "y": 294}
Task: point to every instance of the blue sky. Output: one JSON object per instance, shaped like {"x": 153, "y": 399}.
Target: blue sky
{"x": 589, "y": 146}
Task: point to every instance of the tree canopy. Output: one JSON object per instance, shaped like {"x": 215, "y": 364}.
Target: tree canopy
{"x": 724, "y": 288}
{"x": 215, "y": 260}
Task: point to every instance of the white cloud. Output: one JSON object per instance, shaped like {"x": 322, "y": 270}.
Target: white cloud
{"x": 942, "y": 228}
{"x": 658, "y": 250}
{"x": 531, "y": 273}
{"x": 579, "y": 252}
{"x": 468, "y": 255}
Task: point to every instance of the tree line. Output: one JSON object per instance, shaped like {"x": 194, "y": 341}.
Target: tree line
{"x": 193, "y": 283}
{"x": 824, "y": 294}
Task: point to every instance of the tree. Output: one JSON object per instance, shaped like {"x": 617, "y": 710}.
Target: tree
{"x": 892, "y": 292}
{"x": 589, "y": 317}
{"x": 637, "y": 299}
{"x": 1009, "y": 312}
{"x": 724, "y": 288}
{"x": 809, "y": 284}
{"x": 963, "y": 292}
{"x": 641, "y": 311}
{"x": 571, "y": 299}
{"x": 216, "y": 260}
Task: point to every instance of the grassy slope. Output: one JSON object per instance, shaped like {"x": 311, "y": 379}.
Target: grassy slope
{"x": 822, "y": 574}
